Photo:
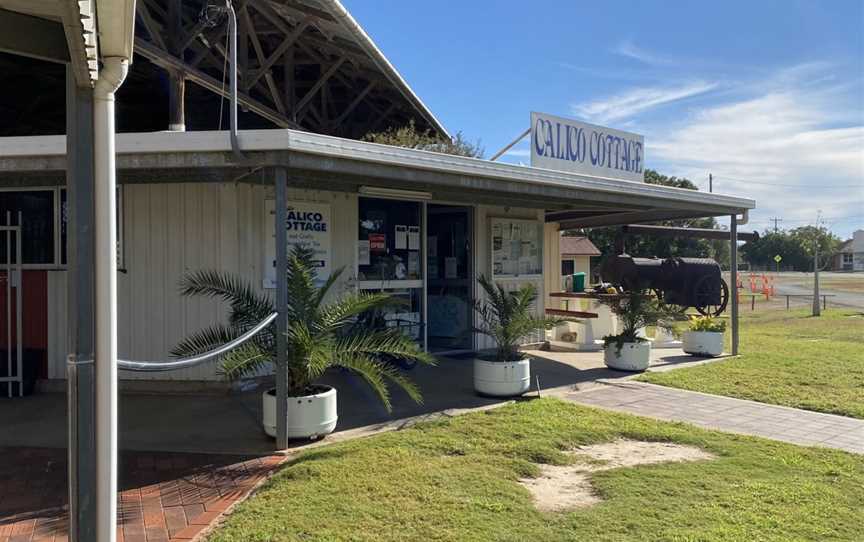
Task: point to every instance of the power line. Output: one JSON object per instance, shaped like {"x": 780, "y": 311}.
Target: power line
{"x": 807, "y": 220}
{"x": 787, "y": 185}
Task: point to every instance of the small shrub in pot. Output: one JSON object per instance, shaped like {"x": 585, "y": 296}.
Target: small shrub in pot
{"x": 627, "y": 350}
{"x": 508, "y": 318}
{"x": 320, "y": 336}
{"x": 704, "y": 336}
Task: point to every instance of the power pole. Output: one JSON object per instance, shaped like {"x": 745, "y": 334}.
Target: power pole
{"x": 710, "y": 183}
{"x": 817, "y": 309}
{"x": 775, "y": 221}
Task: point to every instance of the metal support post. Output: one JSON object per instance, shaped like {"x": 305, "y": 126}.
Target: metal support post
{"x": 733, "y": 266}
{"x": 280, "y": 178}
{"x": 80, "y": 301}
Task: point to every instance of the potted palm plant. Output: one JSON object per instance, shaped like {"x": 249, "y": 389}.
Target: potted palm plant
{"x": 704, "y": 336}
{"x": 629, "y": 350}
{"x": 320, "y": 335}
{"x": 507, "y": 318}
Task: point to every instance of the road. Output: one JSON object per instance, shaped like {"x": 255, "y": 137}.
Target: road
{"x": 842, "y": 298}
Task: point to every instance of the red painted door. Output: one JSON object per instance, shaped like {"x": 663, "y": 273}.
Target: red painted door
{"x": 34, "y": 323}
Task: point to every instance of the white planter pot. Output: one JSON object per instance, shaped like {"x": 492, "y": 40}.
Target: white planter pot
{"x": 632, "y": 357}
{"x": 502, "y": 378}
{"x": 309, "y": 416}
{"x": 704, "y": 343}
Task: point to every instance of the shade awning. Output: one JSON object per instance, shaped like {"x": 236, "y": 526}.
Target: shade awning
{"x": 331, "y": 163}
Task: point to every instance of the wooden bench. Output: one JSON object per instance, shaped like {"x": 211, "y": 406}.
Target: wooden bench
{"x": 571, "y": 314}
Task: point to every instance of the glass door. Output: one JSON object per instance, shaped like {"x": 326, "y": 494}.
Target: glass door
{"x": 450, "y": 278}
{"x": 389, "y": 259}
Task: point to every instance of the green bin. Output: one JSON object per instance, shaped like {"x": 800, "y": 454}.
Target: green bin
{"x": 579, "y": 282}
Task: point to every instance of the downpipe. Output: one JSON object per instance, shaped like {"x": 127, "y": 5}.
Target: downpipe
{"x": 111, "y": 76}
{"x": 232, "y": 36}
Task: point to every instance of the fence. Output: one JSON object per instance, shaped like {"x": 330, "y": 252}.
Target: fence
{"x": 788, "y": 297}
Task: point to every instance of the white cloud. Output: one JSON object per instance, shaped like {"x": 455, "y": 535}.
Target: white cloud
{"x": 638, "y": 100}
{"x": 796, "y": 147}
{"x": 628, "y": 49}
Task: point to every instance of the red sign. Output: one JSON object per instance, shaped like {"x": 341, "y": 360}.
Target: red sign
{"x": 377, "y": 242}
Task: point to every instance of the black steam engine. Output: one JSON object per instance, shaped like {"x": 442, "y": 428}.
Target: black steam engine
{"x": 685, "y": 282}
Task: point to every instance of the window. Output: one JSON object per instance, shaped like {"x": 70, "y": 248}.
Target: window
{"x": 567, "y": 268}
{"x": 388, "y": 243}
{"x": 64, "y": 221}
{"x": 847, "y": 257}
{"x": 38, "y": 224}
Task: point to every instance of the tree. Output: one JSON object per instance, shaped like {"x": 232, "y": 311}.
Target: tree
{"x": 663, "y": 247}
{"x": 410, "y": 137}
{"x": 794, "y": 246}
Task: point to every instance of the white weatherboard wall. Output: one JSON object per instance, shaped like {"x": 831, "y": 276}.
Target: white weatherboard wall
{"x": 551, "y": 263}
{"x": 170, "y": 229}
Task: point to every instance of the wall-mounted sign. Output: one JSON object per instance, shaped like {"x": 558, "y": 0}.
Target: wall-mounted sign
{"x": 307, "y": 224}
{"x": 377, "y": 243}
{"x": 578, "y": 147}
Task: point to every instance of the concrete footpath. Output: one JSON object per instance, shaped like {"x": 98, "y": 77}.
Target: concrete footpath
{"x": 786, "y": 424}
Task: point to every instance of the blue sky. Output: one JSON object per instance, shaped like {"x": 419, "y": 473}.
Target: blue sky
{"x": 766, "y": 95}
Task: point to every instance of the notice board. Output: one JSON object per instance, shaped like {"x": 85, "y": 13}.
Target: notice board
{"x": 517, "y": 247}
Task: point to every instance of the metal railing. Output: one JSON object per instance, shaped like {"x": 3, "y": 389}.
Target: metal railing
{"x": 186, "y": 363}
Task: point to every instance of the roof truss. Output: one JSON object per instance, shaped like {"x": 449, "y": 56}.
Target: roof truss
{"x": 296, "y": 67}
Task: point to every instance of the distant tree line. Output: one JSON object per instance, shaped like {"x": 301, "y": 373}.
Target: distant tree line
{"x": 795, "y": 247}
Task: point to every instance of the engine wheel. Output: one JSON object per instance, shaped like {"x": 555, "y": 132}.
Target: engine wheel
{"x": 704, "y": 295}
{"x": 660, "y": 299}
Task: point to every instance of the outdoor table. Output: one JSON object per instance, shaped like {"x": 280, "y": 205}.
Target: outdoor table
{"x": 596, "y": 328}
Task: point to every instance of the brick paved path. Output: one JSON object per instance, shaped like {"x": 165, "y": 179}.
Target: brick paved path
{"x": 727, "y": 414}
{"x": 163, "y": 496}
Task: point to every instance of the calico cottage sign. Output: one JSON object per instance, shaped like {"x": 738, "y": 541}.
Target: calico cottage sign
{"x": 307, "y": 224}
{"x": 577, "y": 147}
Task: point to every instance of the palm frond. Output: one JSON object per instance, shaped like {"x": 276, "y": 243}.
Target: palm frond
{"x": 248, "y": 358}
{"x": 325, "y": 288}
{"x": 248, "y": 306}
{"x": 372, "y": 371}
{"x": 341, "y": 312}
{"x": 387, "y": 342}
{"x": 204, "y": 340}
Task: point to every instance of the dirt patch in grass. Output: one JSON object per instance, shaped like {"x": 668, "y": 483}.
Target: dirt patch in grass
{"x": 560, "y": 488}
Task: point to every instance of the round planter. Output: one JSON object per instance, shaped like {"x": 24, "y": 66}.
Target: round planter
{"x": 703, "y": 343}
{"x": 502, "y": 378}
{"x": 632, "y": 357}
{"x": 309, "y": 416}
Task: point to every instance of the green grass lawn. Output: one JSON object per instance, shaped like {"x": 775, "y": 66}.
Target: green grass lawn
{"x": 456, "y": 480}
{"x": 788, "y": 358}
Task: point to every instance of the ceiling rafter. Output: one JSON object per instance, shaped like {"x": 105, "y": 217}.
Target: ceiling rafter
{"x": 154, "y": 29}
{"x": 268, "y": 77}
{"x": 169, "y": 62}
{"x": 322, "y": 80}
